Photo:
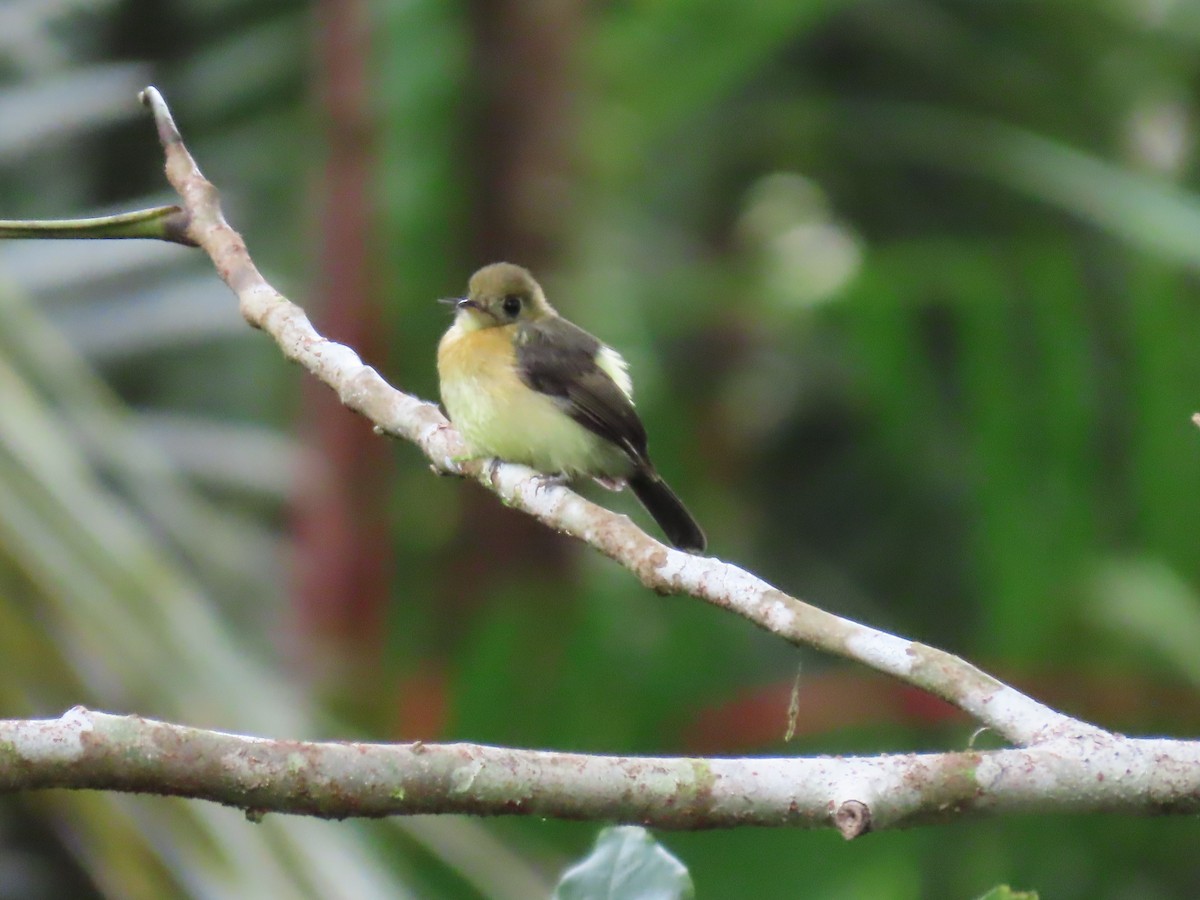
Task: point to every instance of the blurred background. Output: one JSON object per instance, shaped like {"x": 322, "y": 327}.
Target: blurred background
{"x": 909, "y": 293}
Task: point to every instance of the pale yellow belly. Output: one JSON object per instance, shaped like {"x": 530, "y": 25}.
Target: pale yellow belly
{"x": 498, "y": 415}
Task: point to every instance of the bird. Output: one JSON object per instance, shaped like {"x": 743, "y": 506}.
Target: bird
{"x": 524, "y": 385}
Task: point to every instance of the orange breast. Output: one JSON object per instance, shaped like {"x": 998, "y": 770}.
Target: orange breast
{"x": 483, "y": 354}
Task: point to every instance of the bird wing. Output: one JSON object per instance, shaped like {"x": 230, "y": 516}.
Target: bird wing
{"x": 557, "y": 358}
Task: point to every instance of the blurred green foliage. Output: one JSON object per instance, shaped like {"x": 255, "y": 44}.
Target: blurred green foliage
{"x": 626, "y": 864}
{"x": 909, "y": 294}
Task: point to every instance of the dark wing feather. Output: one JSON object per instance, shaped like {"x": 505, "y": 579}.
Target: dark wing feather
{"x": 557, "y": 358}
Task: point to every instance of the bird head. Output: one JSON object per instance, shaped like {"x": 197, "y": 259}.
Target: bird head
{"x": 501, "y": 294}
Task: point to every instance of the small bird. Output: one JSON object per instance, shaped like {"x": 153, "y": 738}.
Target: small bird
{"x": 524, "y": 385}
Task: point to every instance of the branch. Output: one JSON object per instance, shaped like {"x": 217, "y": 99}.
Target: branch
{"x": 164, "y": 223}
{"x": 1083, "y": 774}
{"x": 1014, "y": 715}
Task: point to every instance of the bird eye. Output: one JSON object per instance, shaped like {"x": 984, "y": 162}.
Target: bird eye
{"x": 511, "y": 304}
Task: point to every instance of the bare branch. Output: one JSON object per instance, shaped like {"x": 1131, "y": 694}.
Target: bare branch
{"x": 1094, "y": 773}
{"x": 1018, "y": 717}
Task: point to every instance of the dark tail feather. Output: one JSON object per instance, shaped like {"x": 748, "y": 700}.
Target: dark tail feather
{"x": 668, "y": 511}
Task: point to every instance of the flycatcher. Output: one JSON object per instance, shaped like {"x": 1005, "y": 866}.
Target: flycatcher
{"x": 524, "y": 385}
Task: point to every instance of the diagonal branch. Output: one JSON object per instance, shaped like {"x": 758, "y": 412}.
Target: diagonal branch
{"x": 1019, "y": 718}
{"x": 1088, "y": 773}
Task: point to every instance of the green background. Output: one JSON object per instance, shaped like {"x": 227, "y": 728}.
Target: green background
{"x": 909, "y": 295}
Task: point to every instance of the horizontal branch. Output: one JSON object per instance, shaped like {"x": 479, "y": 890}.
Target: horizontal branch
{"x": 1012, "y": 714}
{"x": 1096, "y": 773}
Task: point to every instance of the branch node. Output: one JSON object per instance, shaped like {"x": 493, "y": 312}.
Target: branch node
{"x": 853, "y": 819}
{"x": 176, "y": 228}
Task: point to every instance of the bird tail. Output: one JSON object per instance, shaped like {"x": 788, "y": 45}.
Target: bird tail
{"x": 668, "y": 511}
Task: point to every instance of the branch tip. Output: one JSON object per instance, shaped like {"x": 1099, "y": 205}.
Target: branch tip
{"x": 168, "y": 133}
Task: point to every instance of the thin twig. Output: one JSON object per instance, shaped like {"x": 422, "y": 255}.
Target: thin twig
{"x": 163, "y": 223}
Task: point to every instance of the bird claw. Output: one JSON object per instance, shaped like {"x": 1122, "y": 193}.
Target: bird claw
{"x": 612, "y": 484}
{"x": 494, "y": 469}
{"x": 543, "y": 481}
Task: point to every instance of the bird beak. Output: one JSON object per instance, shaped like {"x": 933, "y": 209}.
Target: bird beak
{"x": 459, "y": 302}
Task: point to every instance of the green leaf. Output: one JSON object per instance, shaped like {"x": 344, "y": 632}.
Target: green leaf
{"x": 626, "y": 864}
{"x": 1004, "y": 892}
{"x": 1145, "y": 601}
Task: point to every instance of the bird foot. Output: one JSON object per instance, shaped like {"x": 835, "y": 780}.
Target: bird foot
{"x": 612, "y": 484}
{"x": 545, "y": 481}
